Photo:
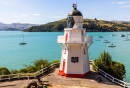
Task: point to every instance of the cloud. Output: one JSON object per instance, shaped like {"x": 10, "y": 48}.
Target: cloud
{"x": 125, "y": 6}
{"x": 36, "y": 14}
{"x": 128, "y": 16}
{"x": 25, "y": 15}
{"x": 62, "y": 16}
{"x": 119, "y": 2}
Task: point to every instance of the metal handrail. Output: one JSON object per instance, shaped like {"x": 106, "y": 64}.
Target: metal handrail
{"x": 113, "y": 79}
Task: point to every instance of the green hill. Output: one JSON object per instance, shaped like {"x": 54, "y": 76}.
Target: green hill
{"x": 91, "y": 25}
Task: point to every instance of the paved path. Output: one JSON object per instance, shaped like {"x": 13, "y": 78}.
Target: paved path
{"x": 88, "y": 81}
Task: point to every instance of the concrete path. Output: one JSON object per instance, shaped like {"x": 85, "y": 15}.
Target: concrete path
{"x": 89, "y": 81}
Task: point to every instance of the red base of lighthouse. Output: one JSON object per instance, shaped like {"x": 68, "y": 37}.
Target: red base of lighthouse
{"x": 74, "y": 75}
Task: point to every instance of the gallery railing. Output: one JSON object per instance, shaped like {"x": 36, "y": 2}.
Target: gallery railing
{"x": 75, "y": 39}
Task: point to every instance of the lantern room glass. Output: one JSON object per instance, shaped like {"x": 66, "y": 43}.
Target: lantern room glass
{"x": 70, "y": 22}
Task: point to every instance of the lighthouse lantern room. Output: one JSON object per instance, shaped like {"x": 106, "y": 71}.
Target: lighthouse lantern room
{"x": 74, "y": 45}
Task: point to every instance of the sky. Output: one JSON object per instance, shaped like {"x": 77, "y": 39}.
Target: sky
{"x": 44, "y": 11}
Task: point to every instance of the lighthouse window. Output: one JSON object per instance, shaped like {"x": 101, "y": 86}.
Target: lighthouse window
{"x": 74, "y": 59}
{"x": 70, "y": 22}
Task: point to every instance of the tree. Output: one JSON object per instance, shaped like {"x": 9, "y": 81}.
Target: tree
{"x": 113, "y": 68}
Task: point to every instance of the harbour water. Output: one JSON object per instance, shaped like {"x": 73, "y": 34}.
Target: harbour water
{"x": 44, "y": 45}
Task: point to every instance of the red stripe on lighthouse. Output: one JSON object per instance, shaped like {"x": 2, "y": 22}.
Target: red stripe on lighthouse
{"x": 66, "y": 36}
{"x": 63, "y": 69}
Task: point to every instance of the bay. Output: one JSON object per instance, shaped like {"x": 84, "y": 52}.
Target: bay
{"x": 44, "y": 45}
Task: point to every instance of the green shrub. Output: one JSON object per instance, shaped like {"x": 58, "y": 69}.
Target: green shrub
{"x": 4, "y": 71}
{"x": 56, "y": 61}
{"x": 113, "y": 68}
{"x": 24, "y": 70}
{"x": 13, "y": 71}
{"x": 31, "y": 69}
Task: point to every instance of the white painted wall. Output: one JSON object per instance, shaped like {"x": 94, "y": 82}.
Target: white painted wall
{"x": 74, "y": 51}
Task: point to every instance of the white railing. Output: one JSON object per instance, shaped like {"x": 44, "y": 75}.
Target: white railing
{"x": 27, "y": 75}
{"x": 75, "y": 39}
{"x": 111, "y": 78}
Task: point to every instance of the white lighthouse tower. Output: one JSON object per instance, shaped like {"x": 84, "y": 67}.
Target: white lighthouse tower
{"x": 74, "y": 45}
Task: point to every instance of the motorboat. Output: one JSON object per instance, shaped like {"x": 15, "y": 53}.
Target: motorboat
{"x": 121, "y": 35}
{"x": 97, "y": 39}
{"x": 126, "y": 39}
{"x": 112, "y": 35}
{"x": 105, "y": 41}
{"x": 111, "y": 45}
{"x": 100, "y": 36}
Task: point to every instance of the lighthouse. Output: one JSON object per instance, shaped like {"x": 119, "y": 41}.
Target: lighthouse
{"x": 74, "y": 44}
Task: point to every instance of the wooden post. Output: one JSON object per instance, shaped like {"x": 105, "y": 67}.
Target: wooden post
{"x": 0, "y": 78}
{"x": 105, "y": 75}
{"x": 9, "y": 77}
{"x": 42, "y": 68}
{"x": 35, "y": 75}
{"x": 124, "y": 84}
{"x": 18, "y": 76}
{"x": 113, "y": 80}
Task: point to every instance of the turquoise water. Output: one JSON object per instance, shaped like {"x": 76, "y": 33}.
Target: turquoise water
{"x": 44, "y": 45}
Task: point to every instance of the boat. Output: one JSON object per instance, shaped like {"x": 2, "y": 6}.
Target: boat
{"x": 100, "y": 36}
{"x": 112, "y": 35}
{"x": 22, "y": 43}
{"x": 97, "y": 40}
{"x": 111, "y": 45}
{"x": 126, "y": 39}
{"x": 105, "y": 41}
{"x": 121, "y": 35}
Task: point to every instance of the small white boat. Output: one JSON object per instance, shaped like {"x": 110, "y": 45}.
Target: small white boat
{"x": 112, "y": 35}
{"x": 105, "y": 41}
{"x": 121, "y": 35}
{"x": 100, "y": 36}
{"x": 111, "y": 45}
{"x": 97, "y": 39}
{"x": 126, "y": 39}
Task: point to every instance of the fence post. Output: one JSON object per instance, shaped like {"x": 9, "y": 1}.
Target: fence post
{"x": 105, "y": 75}
{"x": 9, "y": 77}
{"x": 35, "y": 75}
{"x": 125, "y": 85}
{"x": 0, "y": 78}
{"x": 113, "y": 80}
{"x": 18, "y": 76}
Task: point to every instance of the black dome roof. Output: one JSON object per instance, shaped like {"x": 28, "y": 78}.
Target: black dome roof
{"x": 75, "y": 13}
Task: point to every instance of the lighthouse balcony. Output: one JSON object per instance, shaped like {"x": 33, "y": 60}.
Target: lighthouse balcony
{"x": 75, "y": 39}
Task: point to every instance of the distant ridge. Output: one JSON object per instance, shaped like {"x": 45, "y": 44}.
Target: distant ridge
{"x": 91, "y": 25}
{"x": 15, "y": 26}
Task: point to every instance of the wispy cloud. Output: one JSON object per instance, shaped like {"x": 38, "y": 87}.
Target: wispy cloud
{"x": 119, "y": 2}
{"x": 36, "y": 14}
{"x": 25, "y": 15}
{"x": 125, "y": 6}
{"x": 63, "y": 16}
{"x": 128, "y": 16}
